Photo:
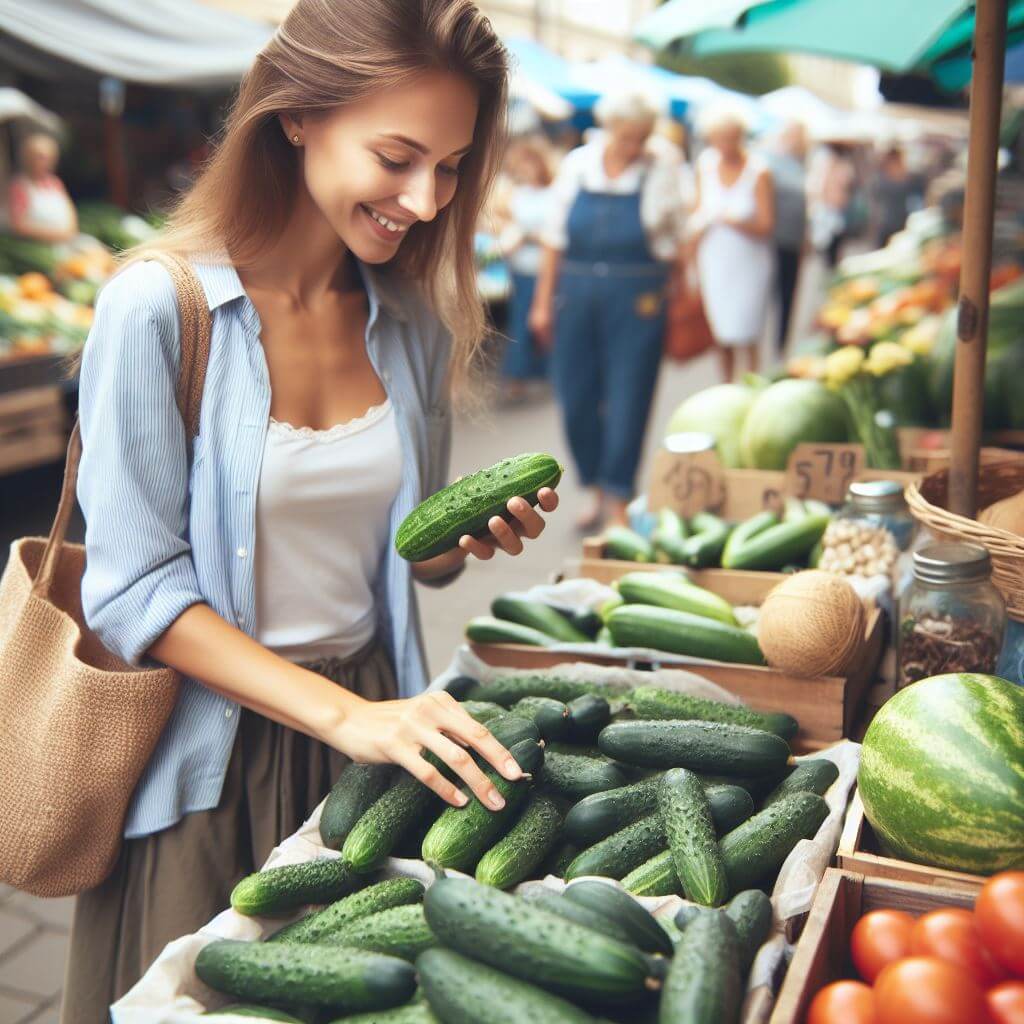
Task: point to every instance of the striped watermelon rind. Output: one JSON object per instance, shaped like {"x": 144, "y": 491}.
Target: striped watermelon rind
{"x": 942, "y": 773}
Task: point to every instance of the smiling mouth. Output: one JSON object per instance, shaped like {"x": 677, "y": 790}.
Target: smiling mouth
{"x": 385, "y": 222}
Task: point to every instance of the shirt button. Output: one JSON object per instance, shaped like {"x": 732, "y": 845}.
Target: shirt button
{"x": 241, "y": 552}
{"x": 229, "y": 712}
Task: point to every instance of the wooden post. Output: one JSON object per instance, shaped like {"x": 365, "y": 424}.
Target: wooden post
{"x": 979, "y": 207}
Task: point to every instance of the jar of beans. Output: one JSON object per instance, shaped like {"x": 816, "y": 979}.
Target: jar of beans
{"x": 951, "y": 618}
{"x": 868, "y": 533}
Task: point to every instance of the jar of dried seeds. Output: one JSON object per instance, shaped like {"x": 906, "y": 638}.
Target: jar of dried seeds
{"x": 868, "y": 533}
{"x": 952, "y": 618}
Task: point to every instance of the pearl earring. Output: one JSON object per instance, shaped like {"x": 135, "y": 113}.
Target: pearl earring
{"x": 295, "y": 139}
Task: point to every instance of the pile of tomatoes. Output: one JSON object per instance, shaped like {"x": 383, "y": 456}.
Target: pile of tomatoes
{"x": 950, "y": 966}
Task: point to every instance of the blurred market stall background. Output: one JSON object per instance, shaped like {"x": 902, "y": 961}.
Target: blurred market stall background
{"x": 134, "y": 92}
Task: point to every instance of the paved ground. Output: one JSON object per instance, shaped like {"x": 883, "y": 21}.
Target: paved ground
{"x": 33, "y": 932}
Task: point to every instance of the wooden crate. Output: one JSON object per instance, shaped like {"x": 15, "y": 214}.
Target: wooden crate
{"x": 822, "y": 954}
{"x": 33, "y": 428}
{"x": 859, "y": 852}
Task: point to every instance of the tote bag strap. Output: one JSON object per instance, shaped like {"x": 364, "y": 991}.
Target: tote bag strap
{"x": 196, "y": 327}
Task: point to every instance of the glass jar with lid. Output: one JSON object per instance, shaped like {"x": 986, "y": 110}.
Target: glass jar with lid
{"x": 867, "y": 535}
{"x": 952, "y": 618}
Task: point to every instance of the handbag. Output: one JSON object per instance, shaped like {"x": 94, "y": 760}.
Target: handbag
{"x": 77, "y": 723}
{"x": 687, "y": 331}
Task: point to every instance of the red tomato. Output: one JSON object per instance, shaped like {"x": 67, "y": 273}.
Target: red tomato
{"x": 951, "y": 934}
{"x": 1006, "y": 1003}
{"x": 999, "y": 913}
{"x": 843, "y": 1002}
{"x": 924, "y": 990}
{"x": 878, "y": 939}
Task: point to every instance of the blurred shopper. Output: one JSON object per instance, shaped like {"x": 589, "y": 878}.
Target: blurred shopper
{"x": 524, "y": 210}
{"x": 895, "y": 193}
{"x": 732, "y": 232}
{"x": 787, "y": 158}
{"x": 39, "y": 205}
{"x": 613, "y": 237}
{"x": 831, "y": 189}
{"x": 332, "y": 235}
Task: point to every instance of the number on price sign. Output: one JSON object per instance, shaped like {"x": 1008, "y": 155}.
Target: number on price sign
{"x": 823, "y": 471}
{"x": 686, "y": 482}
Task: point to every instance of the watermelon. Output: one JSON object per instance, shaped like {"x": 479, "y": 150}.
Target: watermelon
{"x": 719, "y": 411}
{"x": 942, "y": 773}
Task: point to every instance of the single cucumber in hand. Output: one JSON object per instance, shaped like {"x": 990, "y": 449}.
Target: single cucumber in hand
{"x": 466, "y": 506}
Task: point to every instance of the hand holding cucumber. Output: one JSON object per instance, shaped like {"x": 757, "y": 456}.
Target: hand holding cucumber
{"x": 403, "y": 732}
{"x": 508, "y": 535}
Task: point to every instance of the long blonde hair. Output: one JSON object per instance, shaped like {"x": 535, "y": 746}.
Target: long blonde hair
{"x": 327, "y": 54}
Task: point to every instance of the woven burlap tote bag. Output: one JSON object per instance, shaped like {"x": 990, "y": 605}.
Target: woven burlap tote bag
{"x": 77, "y": 724}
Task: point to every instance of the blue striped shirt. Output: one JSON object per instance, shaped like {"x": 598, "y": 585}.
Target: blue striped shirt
{"x": 163, "y": 535}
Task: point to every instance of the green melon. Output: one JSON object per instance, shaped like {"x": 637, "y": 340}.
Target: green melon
{"x": 942, "y": 773}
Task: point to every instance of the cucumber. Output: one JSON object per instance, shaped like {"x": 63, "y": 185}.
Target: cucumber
{"x": 812, "y": 776}
{"x": 755, "y": 850}
{"x": 459, "y": 686}
{"x": 460, "y": 835}
{"x": 778, "y": 545}
{"x": 730, "y": 805}
{"x": 528, "y": 942}
{"x": 690, "y": 830}
{"x": 344, "y": 979}
{"x": 278, "y": 890}
{"x": 655, "y": 702}
{"x": 398, "y": 931}
{"x": 411, "y": 1013}
{"x": 644, "y": 932}
{"x": 627, "y": 545}
{"x": 358, "y": 786}
{"x": 588, "y": 715}
{"x": 747, "y": 530}
{"x": 668, "y": 590}
{"x": 482, "y": 710}
{"x": 669, "y": 550}
{"x": 715, "y": 747}
{"x": 613, "y": 602}
{"x": 513, "y": 858}
{"x": 466, "y": 992}
{"x": 537, "y": 615}
{"x": 509, "y": 729}
{"x": 665, "y": 629}
{"x": 550, "y": 716}
{"x": 379, "y": 831}
{"x": 751, "y": 913}
{"x": 704, "y": 985}
{"x": 671, "y": 524}
{"x": 586, "y": 620}
{"x": 556, "y": 903}
{"x": 576, "y": 775}
{"x": 466, "y": 506}
{"x": 708, "y": 535}
{"x": 510, "y": 689}
{"x": 559, "y": 859}
{"x": 617, "y": 855}
{"x": 655, "y": 877}
{"x": 604, "y": 637}
{"x": 251, "y": 1010}
{"x": 686, "y": 914}
{"x": 394, "y": 892}
{"x": 487, "y": 630}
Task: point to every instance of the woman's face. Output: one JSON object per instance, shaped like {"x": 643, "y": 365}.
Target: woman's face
{"x": 628, "y": 138}
{"x": 376, "y": 167}
{"x": 39, "y": 157}
{"x": 728, "y": 140}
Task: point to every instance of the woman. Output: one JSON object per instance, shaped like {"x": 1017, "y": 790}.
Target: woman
{"x": 895, "y": 193}
{"x": 340, "y": 202}
{"x": 831, "y": 186}
{"x": 524, "y": 212}
{"x": 38, "y": 203}
{"x": 732, "y": 234}
{"x": 600, "y": 299}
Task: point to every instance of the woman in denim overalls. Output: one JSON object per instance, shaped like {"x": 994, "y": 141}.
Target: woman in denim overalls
{"x": 601, "y": 296}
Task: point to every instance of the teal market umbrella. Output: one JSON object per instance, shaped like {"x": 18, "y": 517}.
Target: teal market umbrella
{"x": 900, "y": 36}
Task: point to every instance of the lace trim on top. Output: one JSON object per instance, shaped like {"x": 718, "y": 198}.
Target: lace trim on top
{"x": 372, "y": 415}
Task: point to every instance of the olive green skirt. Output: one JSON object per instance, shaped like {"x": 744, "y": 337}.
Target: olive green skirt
{"x": 171, "y": 883}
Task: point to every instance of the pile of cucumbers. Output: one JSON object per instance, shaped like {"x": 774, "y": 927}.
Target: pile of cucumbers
{"x": 766, "y": 541}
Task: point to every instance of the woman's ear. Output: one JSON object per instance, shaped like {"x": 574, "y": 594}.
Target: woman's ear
{"x": 291, "y": 125}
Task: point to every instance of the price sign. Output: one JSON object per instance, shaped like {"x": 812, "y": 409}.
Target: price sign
{"x": 686, "y": 482}
{"x": 824, "y": 471}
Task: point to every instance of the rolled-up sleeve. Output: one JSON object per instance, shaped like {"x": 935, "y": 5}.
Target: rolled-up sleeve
{"x": 133, "y": 480}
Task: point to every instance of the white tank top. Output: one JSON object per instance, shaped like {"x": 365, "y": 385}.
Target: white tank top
{"x": 322, "y": 515}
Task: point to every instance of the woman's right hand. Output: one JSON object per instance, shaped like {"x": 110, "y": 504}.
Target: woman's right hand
{"x": 541, "y": 323}
{"x": 400, "y": 731}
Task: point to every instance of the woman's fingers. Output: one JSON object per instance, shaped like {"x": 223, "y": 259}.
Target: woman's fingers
{"x": 526, "y": 522}
{"x": 547, "y": 499}
{"x": 531, "y": 522}
{"x": 461, "y": 762}
{"x": 475, "y": 546}
{"x": 420, "y": 769}
{"x": 464, "y": 729}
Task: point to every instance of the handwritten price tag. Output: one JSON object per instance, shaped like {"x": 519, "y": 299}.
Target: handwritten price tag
{"x": 824, "y": 471}
{"x": 687, "y": 482}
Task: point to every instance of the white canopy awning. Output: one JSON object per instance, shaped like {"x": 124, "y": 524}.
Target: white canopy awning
{"x": 159, "y": 42}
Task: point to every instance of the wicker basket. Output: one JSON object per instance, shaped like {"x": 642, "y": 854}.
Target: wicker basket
{"x": 995, "y": 481}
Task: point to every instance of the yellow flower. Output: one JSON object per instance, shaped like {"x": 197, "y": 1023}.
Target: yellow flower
{"x": 887, "y": 356}
{"x": 920, "y": 339}
{"x": 843, "y": 364}
{"x": 807, "y": 367}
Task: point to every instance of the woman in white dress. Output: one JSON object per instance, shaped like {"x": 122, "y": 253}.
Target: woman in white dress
{"x": 731, "y": 232}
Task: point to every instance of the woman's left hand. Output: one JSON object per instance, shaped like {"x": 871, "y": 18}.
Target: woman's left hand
{"x": 506, "y": 536}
